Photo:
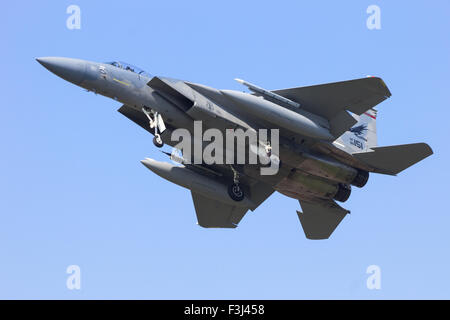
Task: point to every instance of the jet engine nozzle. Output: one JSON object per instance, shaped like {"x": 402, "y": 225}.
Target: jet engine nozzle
{"x": 344, "y": 191}
{"x": 361, "y": 179}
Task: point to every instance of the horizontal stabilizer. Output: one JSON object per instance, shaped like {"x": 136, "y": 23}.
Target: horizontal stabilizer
{"x": 394, "y": 159}
{"x": 320, "y": 219}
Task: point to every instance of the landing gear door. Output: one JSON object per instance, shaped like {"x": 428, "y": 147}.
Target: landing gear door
{"x": 160, "y": 123}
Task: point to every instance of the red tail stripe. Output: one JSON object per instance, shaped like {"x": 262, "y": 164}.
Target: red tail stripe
{"x": 373, "y": 117}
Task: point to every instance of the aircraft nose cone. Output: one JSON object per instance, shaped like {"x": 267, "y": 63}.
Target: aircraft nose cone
{"x": 72, "y": 70}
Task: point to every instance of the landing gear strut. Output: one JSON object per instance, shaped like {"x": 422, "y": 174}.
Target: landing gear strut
{"x": 268, "y": 149}
{"x": 154, "y": 124}
{"x": 272, "y": 159}
{"x": 234, "y": 190}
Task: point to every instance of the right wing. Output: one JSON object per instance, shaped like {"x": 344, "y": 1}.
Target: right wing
{"x": 330, "y": 99}
{"x": 320, "y": 219}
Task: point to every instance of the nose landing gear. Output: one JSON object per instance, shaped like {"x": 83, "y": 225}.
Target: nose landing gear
{"x": 156, "y": 122}
{"x": 157, "y": 141}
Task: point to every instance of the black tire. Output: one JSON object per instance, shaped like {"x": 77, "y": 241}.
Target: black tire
{"x": 156, "y": 143}
{"x": 236, "y": 193}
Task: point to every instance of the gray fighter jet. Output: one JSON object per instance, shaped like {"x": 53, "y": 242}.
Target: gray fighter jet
{"x": 326, "y": 139}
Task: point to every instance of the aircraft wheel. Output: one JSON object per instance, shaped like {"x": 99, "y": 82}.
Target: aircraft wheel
{"x": 157, "y": 141}
{"x": 236, "y": 193}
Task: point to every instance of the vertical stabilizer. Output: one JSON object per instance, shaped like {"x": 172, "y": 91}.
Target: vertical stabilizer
{"x": 363, "y": 135}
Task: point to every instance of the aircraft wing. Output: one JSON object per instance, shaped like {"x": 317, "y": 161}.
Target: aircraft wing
{"x": 330, "y": 99}
{"x": 320, "y": 219}
{"x": 214, "y": 214}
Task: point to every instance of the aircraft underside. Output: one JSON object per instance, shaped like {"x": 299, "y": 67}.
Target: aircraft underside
{"x": 321, "y": 140}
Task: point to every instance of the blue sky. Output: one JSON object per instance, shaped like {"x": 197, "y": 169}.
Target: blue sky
{"x": 72, "y": 189}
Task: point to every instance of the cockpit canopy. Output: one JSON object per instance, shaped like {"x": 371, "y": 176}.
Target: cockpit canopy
{"x": 129, "y": 67}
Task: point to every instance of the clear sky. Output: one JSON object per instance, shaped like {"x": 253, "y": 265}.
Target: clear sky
{"x": 73, "y": 192}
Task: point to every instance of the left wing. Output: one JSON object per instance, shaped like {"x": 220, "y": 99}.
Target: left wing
{"x": 320, "y": 219}
{"x": 214, "y": 214}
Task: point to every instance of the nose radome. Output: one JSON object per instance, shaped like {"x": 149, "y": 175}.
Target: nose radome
{"x": 72, "y": 70}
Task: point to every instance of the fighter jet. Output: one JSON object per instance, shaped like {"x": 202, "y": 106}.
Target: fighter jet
{"x": 326, "y": 139}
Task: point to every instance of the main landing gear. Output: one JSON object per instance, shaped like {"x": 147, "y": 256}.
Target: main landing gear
{"x": 268, "y": 149}
{"x": 235, "y": 190}
{"x": 156, "y": 122}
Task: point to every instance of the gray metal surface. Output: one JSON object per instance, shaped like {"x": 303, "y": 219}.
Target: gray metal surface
{"x": 327, "y": 138}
